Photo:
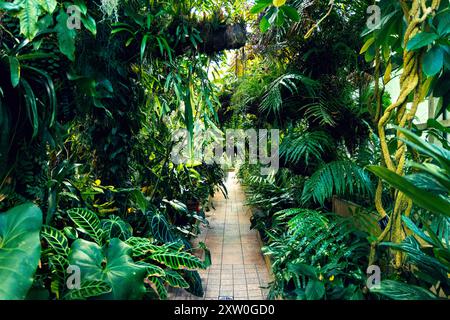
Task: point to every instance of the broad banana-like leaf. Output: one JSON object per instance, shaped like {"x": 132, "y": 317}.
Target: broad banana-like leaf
{"x": 20, "y": 250}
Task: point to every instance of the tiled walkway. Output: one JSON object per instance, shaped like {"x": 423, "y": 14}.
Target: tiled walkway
{"x": 238, "y": 269}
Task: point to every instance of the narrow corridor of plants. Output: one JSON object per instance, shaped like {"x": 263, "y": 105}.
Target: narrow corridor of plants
{"x": 110, "y": 111}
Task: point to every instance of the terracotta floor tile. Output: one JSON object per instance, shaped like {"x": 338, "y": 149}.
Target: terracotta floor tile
{"x": 238, "y": 267}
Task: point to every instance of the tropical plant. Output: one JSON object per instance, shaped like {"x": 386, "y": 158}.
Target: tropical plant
{"x": 20, "y": 250}
{"x": 426, "y": 246}
{"x": 315, "y": 256}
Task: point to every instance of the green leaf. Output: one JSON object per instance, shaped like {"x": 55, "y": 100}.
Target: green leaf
{"x": 433, "y": 61}
{"x": 144, "y": 46}
{"x": 160, "y": 288}
{"x": 444, "y": 24}
{"x": 264, "y": 25}
{"x": 89, "y": 289}
{"x": 66, "y": 36}
{"x": 178, "y": 260}
{"x": 401, "y": 291}
{"x": 315, "y": 290}
{"x": 160, "y": 227}
{"x": 114, "y": 227}
{"x": 260, "y": 6}
{"x": 90, "y": 24}
{"x": 20, "y": 250}
{"x": 48, "y": 5}
{"x": 56, "y": 240}
{"x": 421, "y": 40}
{"x": 28, "y": 16}
{"x": 195, "y": 283}
{"x": 113, "y": 265}
{"x": 86, "y": 222}
{"x": 174, "y": 279}
{"x": 302, "y": 269}
{"x": 412, "y": 226}
{"x": 14, "y": 66}
{"x": 8, "y": 6}
{"x": 291, "y": 13}
{"x": 422, "y": 198}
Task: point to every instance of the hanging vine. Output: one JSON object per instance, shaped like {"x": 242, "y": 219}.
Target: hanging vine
{"x": 411, "y": 83}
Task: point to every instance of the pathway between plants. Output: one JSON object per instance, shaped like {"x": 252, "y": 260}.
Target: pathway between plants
{"x": 238, "y": 269}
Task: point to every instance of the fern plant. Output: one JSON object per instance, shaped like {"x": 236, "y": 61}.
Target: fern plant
{"x": 316, "y": 256}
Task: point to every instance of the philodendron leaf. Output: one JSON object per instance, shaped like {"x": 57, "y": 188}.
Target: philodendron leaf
{"x": 66, "y": 36}
{"x": 20, "y": 250}
{"x": 421, "y": 40}
{"x": 433, "y": 61}
{"x": 112, "y": 265}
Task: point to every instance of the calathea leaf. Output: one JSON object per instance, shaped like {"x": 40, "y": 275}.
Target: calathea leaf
{"x": 56, "y": 240}
{"x": 89, "y": 289}
{"x": 159, "y": 286}
{"x": 174, "y": 279}
{"x": 87, "y": 222}
{"x": 178, "y": 260}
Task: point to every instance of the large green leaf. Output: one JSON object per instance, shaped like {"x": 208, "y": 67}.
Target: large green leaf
{"x": 113, "y": 265}
{"x": 20, "y": 250}
{"x": 421, "y": 40}
{"x": 422, "y": 198}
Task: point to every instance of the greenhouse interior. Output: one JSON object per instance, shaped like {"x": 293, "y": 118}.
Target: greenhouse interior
{"x": 259, "y": 150}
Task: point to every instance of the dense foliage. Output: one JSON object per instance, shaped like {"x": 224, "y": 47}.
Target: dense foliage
{"x": 91, "y": 93}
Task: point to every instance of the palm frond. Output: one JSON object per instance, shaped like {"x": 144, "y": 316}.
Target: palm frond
{"x": 305, "y": 146}
{"x": 337, "y": 178}
{"x": 272, "y": 101}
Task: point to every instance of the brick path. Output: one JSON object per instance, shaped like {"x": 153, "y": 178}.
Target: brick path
{"x": 238, "y": 269}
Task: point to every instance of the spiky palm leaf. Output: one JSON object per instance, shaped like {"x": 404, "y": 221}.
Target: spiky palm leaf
{"x": 337, "y": 178}
{"x": 305, "y": 146}
{"x": 273, "y": 99}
